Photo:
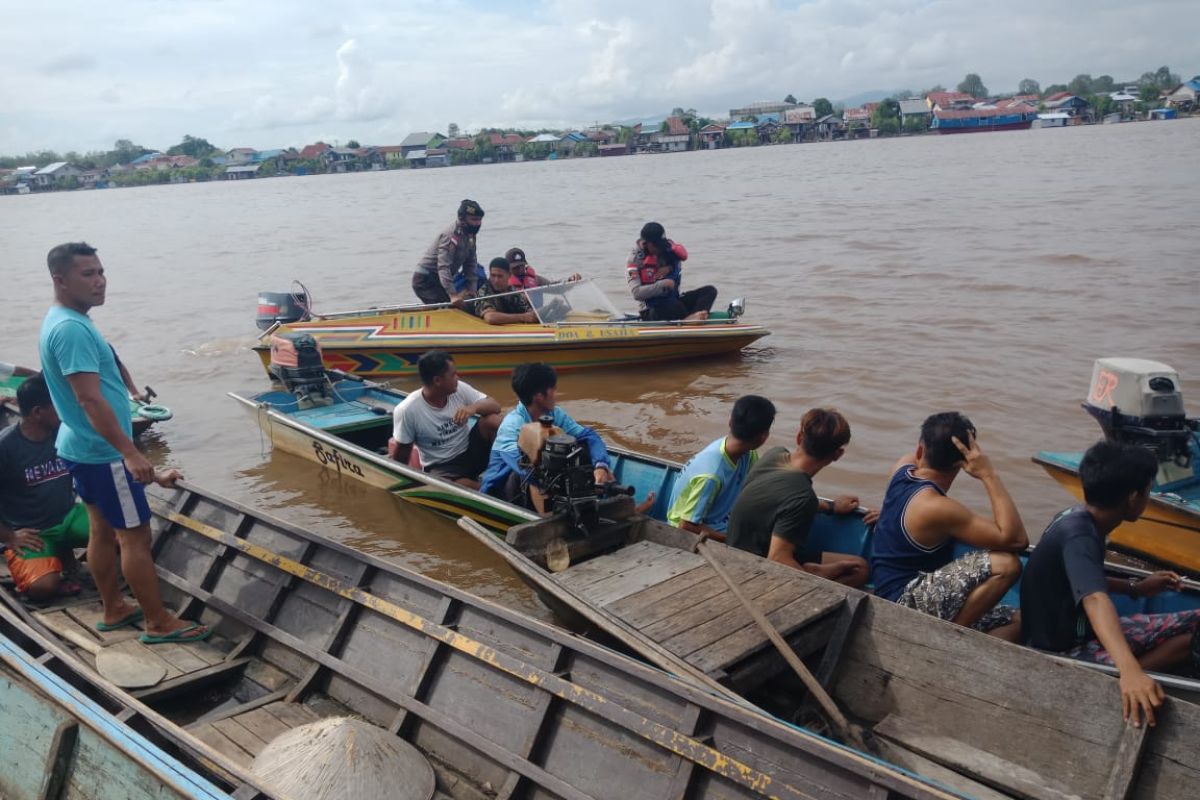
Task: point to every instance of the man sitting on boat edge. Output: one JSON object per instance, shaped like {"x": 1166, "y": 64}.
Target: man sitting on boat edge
{"x": 499, "y": 303}
{"x": 436, "y": 419}
{"x": 41, "y": 523}
{"x": 1065, "y": 603}
{"x": 452, "y": 253}
{"x": 773, "y": 515}
{"x": 536, "y": 386}
{"x": 913, "y": 558}
{"x": 654, "y": 274}
{"x": 710, "y": 482}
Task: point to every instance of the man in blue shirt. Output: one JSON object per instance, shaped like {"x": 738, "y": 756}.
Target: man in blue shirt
{"x": 536, "y": 388}
{"x": 705, "y": 491}
{"x": 95, "y": 443}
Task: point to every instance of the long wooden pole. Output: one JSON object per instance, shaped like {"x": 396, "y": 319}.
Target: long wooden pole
{"x": 845, "y": 731}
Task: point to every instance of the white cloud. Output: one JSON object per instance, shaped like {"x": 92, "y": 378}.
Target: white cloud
{"x": 275, "y": 73}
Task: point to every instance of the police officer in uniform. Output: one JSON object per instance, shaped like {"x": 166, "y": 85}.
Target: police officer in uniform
{"x": 452, "y": 253}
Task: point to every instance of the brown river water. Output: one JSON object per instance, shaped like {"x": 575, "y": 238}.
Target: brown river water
{"x": 898, "y": 277}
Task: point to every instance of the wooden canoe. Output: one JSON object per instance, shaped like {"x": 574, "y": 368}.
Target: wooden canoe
{"x": 990, "y": 718}
{"x": 60, "y": 742}
{"x": 502, "y": 706}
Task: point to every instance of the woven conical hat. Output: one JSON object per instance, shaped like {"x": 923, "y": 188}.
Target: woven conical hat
{"x": 342, "y": 757}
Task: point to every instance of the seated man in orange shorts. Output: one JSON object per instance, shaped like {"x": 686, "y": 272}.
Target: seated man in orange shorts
{"x": 40, "y": 522}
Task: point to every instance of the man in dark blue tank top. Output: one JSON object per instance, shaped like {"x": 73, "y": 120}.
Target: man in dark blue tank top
{"x": 913, "y": 560}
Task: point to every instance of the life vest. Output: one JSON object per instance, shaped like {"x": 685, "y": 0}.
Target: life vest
{"x": 648, "y": 271}
{"x": 528, "y": 282}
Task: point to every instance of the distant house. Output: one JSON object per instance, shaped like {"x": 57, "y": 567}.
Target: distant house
{"x": 569, "y": 141}
{"x": 830, "y": 126}
{"x": 675, "y": 138}
{"x": 239, "y": 156}
{"x": 313, "y": 152}
{"x": 93, "y": 178}
{"x": 507, "y": 145}
{"x": 1068, "y": 104}
{"x": 949, "y": 100}
{"x": 1125, "y": 102}
{"x": 416, "y": 158}
{"x": 766, "y": 130}
{"x": 391, "y": 154}
{"x": 242, "y": 172}
{"x": 914, "y": 108}
{"x": 340, "y": 159}
{"x": 437, "y": 157}
{"x": 739, "y": 129}
{"x": 544, "y": 138}
{"x": 421, "y": 140}
{"x": 601, "y": 135}
{"x": 144, "y": 157}
{"x": 799, "y": 120}
{"x": 712, "y": 136}
{"x": 1184, "y": 96}
{"x": 614, "y": 149}
{"x": 757, "y": 110}
{"x": 54, "y": 174}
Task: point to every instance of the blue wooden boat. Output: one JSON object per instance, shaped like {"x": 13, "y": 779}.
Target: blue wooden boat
{"x": 59, "y": 742}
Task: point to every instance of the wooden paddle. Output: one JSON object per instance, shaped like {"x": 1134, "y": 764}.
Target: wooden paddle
{"x": 846, "y": 732}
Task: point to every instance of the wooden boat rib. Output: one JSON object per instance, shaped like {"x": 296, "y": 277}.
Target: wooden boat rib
{"x": 976, "y": 713}
{"x": 58, "y": 742}
{"x": 500, "y": 704}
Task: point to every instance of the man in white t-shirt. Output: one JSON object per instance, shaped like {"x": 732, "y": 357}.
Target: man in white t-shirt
{"x": 436, "y": 420}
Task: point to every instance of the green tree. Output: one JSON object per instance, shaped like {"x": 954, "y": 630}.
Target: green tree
{"x": 1104, "y": 83}
{"x": 1054, "y": 88}
{"x": 125, "y": 151}
{"x": 885, "y": 118}
{"x": 915, "y": 124}
{"x": 791, "y": 98}
{"x": 353, "y": 144}
{"x": 1101, "y": 104}
{"x": 783, "y": 135}
{"x": 193, "y": 146}
{"x": 972, "y": 84}
{"x": 1029, "y": 86}
{"x": 937, "y": 87}
{"x": 822, "y": 107}
{"x": 1080, "y": 85}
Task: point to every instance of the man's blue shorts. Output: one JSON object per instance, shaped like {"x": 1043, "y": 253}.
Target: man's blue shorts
{"x": 111, "y": 488}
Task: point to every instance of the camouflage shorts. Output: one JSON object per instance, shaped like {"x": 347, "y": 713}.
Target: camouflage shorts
{"x": 942, "y": 593}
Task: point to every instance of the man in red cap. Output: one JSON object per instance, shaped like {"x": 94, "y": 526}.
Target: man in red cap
{"x": 523, "y": 275}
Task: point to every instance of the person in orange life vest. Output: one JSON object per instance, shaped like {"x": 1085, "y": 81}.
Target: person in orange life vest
{"x": 654, "y": 271}
{"x": 524, "y": 276}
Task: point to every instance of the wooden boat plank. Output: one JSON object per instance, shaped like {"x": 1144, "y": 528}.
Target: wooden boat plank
{"x": 715, "y": 607}
{"x": 972, "y": 761}
{"x": 88, "y": 614}
{"x": 240, "y": 735}
{"x": 1129, "y": 754}
{"x": 293, "y": 715}
{"x": 902, "y": 756}
{"x": 737, "y": 619}
{"x": 634, "y": 556}
{"x": 193, "y": 681}
{"x": 223, "y": 744}
{"x": 181, "y": 657}
{"x": 745, "y": 640}
{"x": 262, "y": 724}
{"x": 662, "y": 566}
{"x": 675, "y": 595}
{"x": 140, "y": 651}
{"x": 70, "y": 630}
{"x": 268, "y": 676}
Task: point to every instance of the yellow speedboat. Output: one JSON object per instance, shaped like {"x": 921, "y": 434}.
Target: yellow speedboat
{"x": 578, "y": 328}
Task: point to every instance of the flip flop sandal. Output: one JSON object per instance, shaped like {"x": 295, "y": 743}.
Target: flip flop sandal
{"x": 191, "y": 633}
{"x": 133, "y": 616}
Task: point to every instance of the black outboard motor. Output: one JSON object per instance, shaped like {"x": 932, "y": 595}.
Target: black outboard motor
{"x": 296, "y": 363}
{"x": 1137, "y": 401}
{"x": 566, "y": 477}
{"x": 281, "y": 308}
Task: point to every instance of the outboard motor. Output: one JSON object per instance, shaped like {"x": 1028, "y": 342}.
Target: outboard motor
{"x": 1137, "y": 401}
{"x": 564, "y": 473}
{"x": 296, "y": 363}
{"x": 281, "y": 308}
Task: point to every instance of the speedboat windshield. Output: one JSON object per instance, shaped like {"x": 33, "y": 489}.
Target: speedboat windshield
{"x": 577, "y": 301}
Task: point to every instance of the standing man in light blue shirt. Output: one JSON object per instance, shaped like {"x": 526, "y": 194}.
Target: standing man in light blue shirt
{"x": 705, "y": 491}
{"x": 95, "y": 441}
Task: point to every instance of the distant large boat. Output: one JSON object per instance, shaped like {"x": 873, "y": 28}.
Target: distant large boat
{"x": 975, "y": 120}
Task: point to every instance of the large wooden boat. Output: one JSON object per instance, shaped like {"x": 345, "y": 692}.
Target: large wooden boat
{"x": 502, "y": 706}
{"x": 578, "y": 328}
{"x": 59, "y": 742}
{"x": 989, "y": 718}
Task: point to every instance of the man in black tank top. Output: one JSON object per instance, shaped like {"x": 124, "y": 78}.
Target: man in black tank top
{"x": 919, "y": 526}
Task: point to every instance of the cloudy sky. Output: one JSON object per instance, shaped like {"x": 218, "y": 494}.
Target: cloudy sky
{"x": 276, "y": 73}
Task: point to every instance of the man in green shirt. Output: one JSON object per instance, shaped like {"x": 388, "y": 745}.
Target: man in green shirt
{"x": 775, "y": 511}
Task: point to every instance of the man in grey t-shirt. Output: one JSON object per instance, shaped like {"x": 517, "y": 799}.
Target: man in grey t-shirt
{"x": 436, "y": 420}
